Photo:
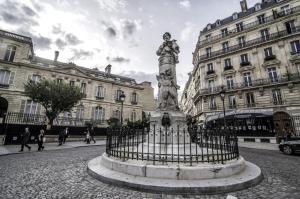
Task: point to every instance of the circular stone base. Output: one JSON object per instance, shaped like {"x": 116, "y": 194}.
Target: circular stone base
{"x": 250, "y": 176}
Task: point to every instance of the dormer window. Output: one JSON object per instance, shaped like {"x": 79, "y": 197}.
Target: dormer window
{"x": 208, "y": 27}
{"x": 257, "y": 6}
{"x": 235, "y": 16}
{"x": 218, "y": 22}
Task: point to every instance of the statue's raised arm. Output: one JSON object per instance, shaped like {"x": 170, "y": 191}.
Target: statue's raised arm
{"x": 168, "y": 47}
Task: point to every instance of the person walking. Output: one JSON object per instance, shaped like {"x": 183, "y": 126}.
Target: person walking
{"x": 25, "y": 136}
{"x": 92, "y": 134}
{"x": 66, "y": 134}
{"x": 88, "y": 136}
{"x": 41, "y": 140}
{"x": 61, "y": 137}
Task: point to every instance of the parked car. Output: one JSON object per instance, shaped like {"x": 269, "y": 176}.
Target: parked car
{"x": 290, "y": 147}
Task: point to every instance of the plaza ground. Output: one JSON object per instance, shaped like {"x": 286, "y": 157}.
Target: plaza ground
{"x": 62, "y": 174}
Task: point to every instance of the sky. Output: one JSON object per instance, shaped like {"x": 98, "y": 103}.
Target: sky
{"x": 123, "y": 33}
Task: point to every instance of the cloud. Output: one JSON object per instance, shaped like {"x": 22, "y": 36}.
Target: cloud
{"x": 118, "y": 59}
{"x": 56, "y": 29}
{"x": 112, "y": 5}
{"x": 80, "y": 54}
{"x": 40, "y": 42}
{"x": 28, "y": 11}
{"x": 60, "y": 43}
{"x": 140, "y": 76}
{"x": 72, "y": 39}
{"x": 187, "y": 31}
{"x": 111, "y": 32}
{"x": 185, "y": 4}
{"x": 129, "y": 27}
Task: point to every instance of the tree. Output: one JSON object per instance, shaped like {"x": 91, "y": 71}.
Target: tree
{"x": 55, "y": 97}
{"x": 113, "y": 122}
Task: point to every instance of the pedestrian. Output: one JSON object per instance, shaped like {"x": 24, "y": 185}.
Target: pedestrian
{"x": 92, "y": 134}
{"x": 66, "y": 134}
{"x": 88, "y": 137}
{"x": 25, "y": 136}
{"x": 41, "y": 137}
{"x": 61, "y": 137}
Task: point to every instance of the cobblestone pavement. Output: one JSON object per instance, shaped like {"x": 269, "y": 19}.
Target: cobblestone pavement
{"x": 62, "y": 174}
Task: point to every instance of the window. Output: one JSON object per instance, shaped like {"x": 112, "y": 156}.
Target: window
{"x": 83, "y": 88}
{"x": 261, "y": 19}
{"x": 227, "y": 63}
{"x": 134, "y": 98}
{"x": 244, "y": 58}
{"x": 118, "y": 95}
{"x": 100, "y": 92}
{"x": 10, "y": 53}
{"x": 212, "y": 103}
{"x": 224, "y": 32}
{"x": 133, "y": 116}
{"x": 268, "y": 52}
{"x": 257, "y": 6}
{"x": 264, "y": 34}
{"x": 286, "y": 9}
{"x": 273, "y": 74}
{"x": 250, "y": 100}
{"x": 235, "y": 16}
{"x": 290, "y": 27}
{"x": 239, "y": 27}
{"x": 225, "y": 46}
{"x": 242, "y": 41}
{"x": 295, "y": 45}
{"x": 211, "y": 85}
{"x": 232, "y": 102}
{"x": 208, "y": 38}
{"x": 229, "y": 81}
{"x": 208, "y": 27}
{"x": 117, "y": 114}
{"x": 247, "y": 79}
{"x": 35, "y": 78}
{"x": 218, "y": 22}
{"x": 4, "y": 77}
{"x": 276, "y": 95}
{"x": 59, "y": 80}
{"x": 298, "y": 68}
{"x": 72, "y": 83}
{"x": 208, "y": 52}
{"x": 210, "y": 67}
{"x": 30, "y": 107}
{"x": 80, "y": 112}
{"x": 98, "y": 113}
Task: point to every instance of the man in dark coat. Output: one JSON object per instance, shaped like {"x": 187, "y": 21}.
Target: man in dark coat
{"x": 25, "y": 136}
{"x": 92, "y": 134}
{"x": 61, "y": 136}
{"x": 66, "y": 134}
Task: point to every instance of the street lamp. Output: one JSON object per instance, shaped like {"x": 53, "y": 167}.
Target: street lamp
{"x": 122, "y": 99}
{"x": 222, "y": 95}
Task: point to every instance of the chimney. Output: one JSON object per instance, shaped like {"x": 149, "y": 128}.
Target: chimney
{"x": 56, "y": 54}
{"x": 244, "y": 5}
{"x": 108, "y": 69}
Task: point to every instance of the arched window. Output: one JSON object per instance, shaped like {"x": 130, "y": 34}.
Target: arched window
{"x": 208, "y": 27}
{"x": 257, "y": 6}
{"x": 218, "y": 22}
{"x": 235, "y": 16}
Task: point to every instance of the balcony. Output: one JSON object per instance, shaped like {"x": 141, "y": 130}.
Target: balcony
{"x": 228, "y": 68}
{"x": 4, "y": 85}
{"x": 250, "y": 43}
{"x": 99, "y": 97}
{"x": 250, "y": 26}
{"x": 270, "y": 57}
{"x": 284, "y": 79}
{"x": 246, "y": 63}
{"x": 210, "y": 72}
{"x": 295, "y": 53}
{"x": 134, "y": 102}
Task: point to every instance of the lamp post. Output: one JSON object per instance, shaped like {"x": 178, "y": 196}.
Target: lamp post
{"x": 122, "y": 99}
{"x": 222, "y": 95}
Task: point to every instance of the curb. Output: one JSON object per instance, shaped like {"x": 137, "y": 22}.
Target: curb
{"x": 14, "y": 153}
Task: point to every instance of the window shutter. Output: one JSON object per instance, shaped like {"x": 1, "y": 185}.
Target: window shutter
{"x": 103, "y": 114}
{"x": 93, "y": 112}
{"x": 38, "y": 110}
{"x": 22, "y": 109}
{"x": 96, "y": 93}
{"x": 137, "y": 98}
{"x": 104, "y": 92}
{"x": 116, "y": 93}
{"x": 12, "y": 77}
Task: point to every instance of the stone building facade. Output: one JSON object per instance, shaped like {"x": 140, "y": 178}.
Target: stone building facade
{"x": 254, "y": 56}
{"x": 18, "y": 64}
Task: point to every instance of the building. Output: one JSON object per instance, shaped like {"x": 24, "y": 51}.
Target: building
{"x": 19, "y": 64}
{"x": 254, "y": 57}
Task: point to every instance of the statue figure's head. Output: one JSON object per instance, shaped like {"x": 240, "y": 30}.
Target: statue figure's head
{"x": 167, "y": 36}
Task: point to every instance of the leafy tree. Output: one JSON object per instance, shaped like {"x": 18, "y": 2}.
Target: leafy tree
{"x": 55, "y": 97}
{"x": 113, "y": 122}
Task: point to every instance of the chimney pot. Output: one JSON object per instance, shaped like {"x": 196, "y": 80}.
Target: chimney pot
{"x": 56, "y": 54}
{"x": 244, "y": 5}
{"x": 108, "y": 69}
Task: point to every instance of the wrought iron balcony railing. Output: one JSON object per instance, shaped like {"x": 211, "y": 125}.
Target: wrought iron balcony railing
{"x": 254, "y": 83}
{"x": 251, "y": 25}
{"x": 210, "y": 72}
{"x": 271, "y": 57}
{"x": 251, "y": 43}
{"x": 4, "y": 85}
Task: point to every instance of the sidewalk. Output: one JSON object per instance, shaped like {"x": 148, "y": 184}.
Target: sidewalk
{"x": 257, "y": 145}
{"x": 13, "y": 149}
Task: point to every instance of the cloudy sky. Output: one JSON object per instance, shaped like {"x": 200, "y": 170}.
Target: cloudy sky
{"x": 123, "y": 33}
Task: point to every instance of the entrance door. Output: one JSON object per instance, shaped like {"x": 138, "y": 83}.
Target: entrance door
{"x": 283, "y": 123}
{"x": 3, "y": 106}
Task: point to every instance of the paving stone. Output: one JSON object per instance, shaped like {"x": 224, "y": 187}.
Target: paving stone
{"x": 62, "y": 174}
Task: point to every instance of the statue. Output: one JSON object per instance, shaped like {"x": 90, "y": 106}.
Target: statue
{"x": 167, "y": 83}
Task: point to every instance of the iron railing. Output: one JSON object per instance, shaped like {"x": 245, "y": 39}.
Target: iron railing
{"x": 187, "y": 146}
{"x": 250, "y": 26}
{"x": 251, "y": 43}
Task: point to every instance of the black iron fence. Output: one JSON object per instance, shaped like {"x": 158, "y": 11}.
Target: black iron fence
{"x": 187, "y": 146}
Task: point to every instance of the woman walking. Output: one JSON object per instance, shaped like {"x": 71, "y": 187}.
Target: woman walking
{"x": 41, "y": 137}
